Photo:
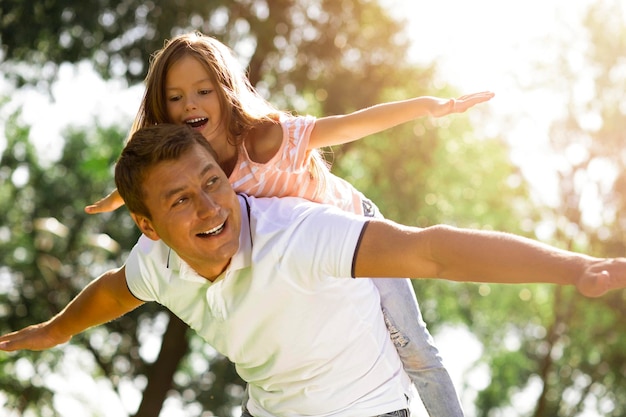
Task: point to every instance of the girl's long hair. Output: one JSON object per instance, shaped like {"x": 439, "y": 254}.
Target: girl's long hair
{"x": 242, "y": 106}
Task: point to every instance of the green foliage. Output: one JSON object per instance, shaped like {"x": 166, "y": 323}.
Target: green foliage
{"x": 322, "y": 50}
{"x": 435, "y": 171}
{"x": 319, "y": 57}
{"x": 23, "y": 384}
{"x": 577, "y": 346}
{"x": 292, "y": 41}
{"x": 206, "y": 378}
{"x": 50, "y": 249}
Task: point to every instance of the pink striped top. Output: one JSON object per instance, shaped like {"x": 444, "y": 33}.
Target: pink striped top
{"x": 287, "y": 174}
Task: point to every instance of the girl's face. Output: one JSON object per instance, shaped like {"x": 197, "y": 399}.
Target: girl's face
{"x": 194, "y": 210}
{"x": 192, "y": 99}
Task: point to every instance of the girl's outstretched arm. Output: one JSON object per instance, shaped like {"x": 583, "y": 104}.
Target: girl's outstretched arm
{"x": 111, "y": 202}
{"x": 335, "y": 130}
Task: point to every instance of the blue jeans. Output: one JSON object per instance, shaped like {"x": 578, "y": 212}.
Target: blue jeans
{"x": 416, "y": 348}
{"x": 415, "y": 345}
{"x": 413, "y": 342}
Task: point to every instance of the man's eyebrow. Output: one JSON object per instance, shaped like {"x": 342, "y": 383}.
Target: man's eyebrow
{"x": 169, "y": 194}
{"x": 208, "y": 167}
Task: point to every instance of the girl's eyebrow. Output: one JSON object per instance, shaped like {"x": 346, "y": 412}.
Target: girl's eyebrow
{"x": 203, "y": 80}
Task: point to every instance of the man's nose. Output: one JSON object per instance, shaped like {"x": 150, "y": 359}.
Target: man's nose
{"x": 206, "y": 205}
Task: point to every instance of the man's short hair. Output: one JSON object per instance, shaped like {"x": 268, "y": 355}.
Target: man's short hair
{"x": 146, "y": 148}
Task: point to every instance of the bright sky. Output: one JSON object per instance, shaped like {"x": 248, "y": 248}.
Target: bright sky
{"x": 492, "y": 45}
{"x": 78, "y": 97}
{"x": 479, "y": 44}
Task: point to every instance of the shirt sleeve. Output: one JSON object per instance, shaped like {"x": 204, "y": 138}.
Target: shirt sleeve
{"x": 144, "y": 268}
{"x": 322, "y": 243}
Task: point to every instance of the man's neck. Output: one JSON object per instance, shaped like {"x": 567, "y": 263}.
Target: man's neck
{"x": 211, "y": 273}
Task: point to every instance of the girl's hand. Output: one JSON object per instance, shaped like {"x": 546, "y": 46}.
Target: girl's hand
{"x": 459, "y": 105}
{"x": 106, "y": 204}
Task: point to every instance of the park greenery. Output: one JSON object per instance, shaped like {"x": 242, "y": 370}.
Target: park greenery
{"x": 315, "y": 57}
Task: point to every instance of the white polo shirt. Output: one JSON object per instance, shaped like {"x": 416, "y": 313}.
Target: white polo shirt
{"x": 309, "y": 340}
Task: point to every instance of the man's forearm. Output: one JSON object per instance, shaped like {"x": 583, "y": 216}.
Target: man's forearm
{"x": 471, "y": 255}
{"x": 103, "y": 300}
{"x": 98, "y": 303}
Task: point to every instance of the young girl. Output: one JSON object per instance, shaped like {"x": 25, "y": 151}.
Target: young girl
{"x": 196, "y": 80}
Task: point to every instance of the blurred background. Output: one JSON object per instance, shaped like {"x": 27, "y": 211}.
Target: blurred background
{"x": 545, "y": 158}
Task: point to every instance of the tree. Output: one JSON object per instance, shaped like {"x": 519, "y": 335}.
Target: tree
{"x": 574, "y": 356}
{"x": 49, "y": 248}
{"x": 319, "y": 57}
{"x": 284, "y": 36}
{"x": 295, "y": 46}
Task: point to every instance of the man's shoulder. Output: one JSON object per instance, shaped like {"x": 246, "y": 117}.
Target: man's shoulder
{"x": 278, "y": 214}
{"x": 309, "y": 240}
{"x": 282, "y": 209}
{"x": 272, "y": 202}
{"x": 151, "y": 255}
{"x": 155, "y": 248}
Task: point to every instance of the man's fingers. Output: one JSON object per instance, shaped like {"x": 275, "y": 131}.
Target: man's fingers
{"x": 595, "y": 284}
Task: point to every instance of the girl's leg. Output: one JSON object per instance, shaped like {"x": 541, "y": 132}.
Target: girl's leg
{"x": 416, "y": 347}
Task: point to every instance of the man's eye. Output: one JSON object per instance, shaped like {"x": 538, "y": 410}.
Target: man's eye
{"x": 212, "y": 181}
{"x": 180, "y": 201}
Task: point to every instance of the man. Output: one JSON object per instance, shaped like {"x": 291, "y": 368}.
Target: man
{"x": 267, "y": 281}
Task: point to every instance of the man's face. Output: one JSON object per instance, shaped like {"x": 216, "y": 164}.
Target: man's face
{"x": 194, "y": 211}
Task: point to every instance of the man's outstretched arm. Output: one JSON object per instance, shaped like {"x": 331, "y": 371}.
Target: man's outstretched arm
{"x": 104, "y": 299}
{"x": 389, "y": 249}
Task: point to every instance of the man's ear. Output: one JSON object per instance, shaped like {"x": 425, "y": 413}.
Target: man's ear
{"x": 145, "y": 225}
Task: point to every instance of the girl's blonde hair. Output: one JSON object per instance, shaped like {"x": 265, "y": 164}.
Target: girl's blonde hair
{"x": 242, "y": 106}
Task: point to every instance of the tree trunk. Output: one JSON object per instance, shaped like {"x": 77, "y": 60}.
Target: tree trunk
{"x": 161, "y": 373}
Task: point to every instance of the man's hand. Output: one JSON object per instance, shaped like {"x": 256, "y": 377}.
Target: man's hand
{"x": 602, "y": 277}
{"x": 102, "y": 300}
{"x": 35, "y": 337}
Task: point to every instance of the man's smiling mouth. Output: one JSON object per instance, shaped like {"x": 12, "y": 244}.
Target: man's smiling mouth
{"x": 213, "y": 232}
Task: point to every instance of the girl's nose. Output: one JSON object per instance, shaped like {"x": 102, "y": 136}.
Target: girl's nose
{"x": 190, "y": 104}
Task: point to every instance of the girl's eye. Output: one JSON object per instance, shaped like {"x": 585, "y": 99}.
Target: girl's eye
{"x": 204, "y": 92}
{"x": 174, "y": 98}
